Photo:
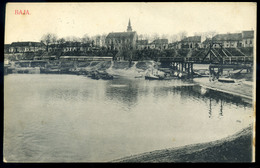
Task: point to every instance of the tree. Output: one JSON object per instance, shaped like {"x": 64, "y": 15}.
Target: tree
{"x": 49, "y": 38}
{"x": 209, "y": 34}
{"x": 182, "y": 35}
{"x": 61, "y": 40}
{"x": 72, "y": 38}
{"x": 103, "y": 39}
{"x": 165, "y": 36}
{"x": 85, "y": 38}
{"x": 174, "y": 38}
{"x": 141, "y": 36}
{"x": 155, "y": 36}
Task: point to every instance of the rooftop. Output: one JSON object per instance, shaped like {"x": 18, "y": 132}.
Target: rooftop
{"x": 27, "y": 43}
{"x": 195, "y": 39}
{"x": 142, "y": 42}
{"x": 228, "y": 37}
{"x": 121, "y": 35}
{"x": 160, "y": 41}
{"x": 248, "y": 34}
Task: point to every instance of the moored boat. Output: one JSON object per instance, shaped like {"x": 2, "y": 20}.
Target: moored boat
{"x": 139, "y": 76}
{"x": 153, "y": 77}
{"x": 226, "y": 80}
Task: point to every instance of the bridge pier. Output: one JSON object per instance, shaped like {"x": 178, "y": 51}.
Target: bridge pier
{"x": 186, "y": 67}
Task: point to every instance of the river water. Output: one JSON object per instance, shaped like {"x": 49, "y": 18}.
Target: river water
{"x": 69, "y": 118}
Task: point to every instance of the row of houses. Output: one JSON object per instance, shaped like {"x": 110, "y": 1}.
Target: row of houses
{"x": 229, "y": 40}
{"x": 71, "y": 46}
{"x": 21, "y": 47}
{"x": 24, "y": 47}
{"x": 129, "y": 40}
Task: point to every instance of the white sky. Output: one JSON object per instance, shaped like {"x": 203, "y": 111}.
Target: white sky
{"x": 77, "y": 19}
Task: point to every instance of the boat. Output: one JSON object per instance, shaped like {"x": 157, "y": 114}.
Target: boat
{"x": 226, "y": 80}
{"x": 153, "y": 77}
{"x": 139, "y": 76}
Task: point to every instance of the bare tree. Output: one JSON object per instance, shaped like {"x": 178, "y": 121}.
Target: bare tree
{"x": 141, "y": 36}
{"x": 147, "y": 37}
{"x": 210, "y": 34}
{"x": 61, "y": 40}
{"x": 174, "y": 38}
{"x": 48, "y": 39}
{"x": 164, "y": 36}
{"x": 86, "y": 38}
{"x": 182, "y": 35}
{"x": 72, "y": 38}
{"x": 96, "y": 39}
{"x": 103, "y": 39}
{"x": 155, "y": 36}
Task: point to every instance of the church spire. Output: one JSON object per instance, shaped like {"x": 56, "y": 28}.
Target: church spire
{"x": 129, "y": 27}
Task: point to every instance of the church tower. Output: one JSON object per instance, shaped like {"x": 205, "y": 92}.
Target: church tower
{"x": 129, "y": 27}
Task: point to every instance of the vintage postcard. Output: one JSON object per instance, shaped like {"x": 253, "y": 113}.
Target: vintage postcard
{"x": 129, "y": 82}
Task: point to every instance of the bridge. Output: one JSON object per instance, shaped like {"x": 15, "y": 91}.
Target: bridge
{"x": 220, "y": 58}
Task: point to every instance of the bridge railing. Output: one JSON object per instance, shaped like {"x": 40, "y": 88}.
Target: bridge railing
{"x": 228, "y": 60}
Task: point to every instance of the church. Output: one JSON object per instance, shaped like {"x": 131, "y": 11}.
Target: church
{"x": 122, "y": 40}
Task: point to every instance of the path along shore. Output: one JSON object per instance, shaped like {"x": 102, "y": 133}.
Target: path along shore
{"x": 235, "y": 148}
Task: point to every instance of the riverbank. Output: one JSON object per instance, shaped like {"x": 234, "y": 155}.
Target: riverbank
{"x": 236, "y": 148}
{"x": 239, "y": 88}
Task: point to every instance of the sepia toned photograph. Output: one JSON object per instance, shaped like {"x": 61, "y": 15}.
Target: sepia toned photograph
{"x": 129, "y": 82}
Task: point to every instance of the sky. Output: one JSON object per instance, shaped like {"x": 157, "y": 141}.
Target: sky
{"x": 78, "y": 19}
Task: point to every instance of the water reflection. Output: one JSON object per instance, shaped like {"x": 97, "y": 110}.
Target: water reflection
{"x": 211, "y": 98}
{"x": 125, "y": 91}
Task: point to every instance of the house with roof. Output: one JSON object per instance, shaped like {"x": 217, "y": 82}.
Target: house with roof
{"x": 173, "y": 45}
{"x": 159, "y": 44}
{"x": 142, "y": 44}
{"x": 190, "y": 42}
{"x": 122, "y": 40}
{"x": 229, "y": 40}
{"x": 248, "y": 38}
{"x": 71, "y": 46}
{"x": 21, "y": 47}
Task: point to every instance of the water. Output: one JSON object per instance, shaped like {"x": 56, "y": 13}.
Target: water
{"x": 69, "y": 118}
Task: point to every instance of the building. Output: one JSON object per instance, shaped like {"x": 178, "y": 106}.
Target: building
{"x": 229, "y": 40}
{"x": 159, "y": 44}
{"x": 142, "y": 44}
{"x": 70, "y": 46}
{"x": 248, "y": 38}
{"x": 122, "y": 40}
{"x": 190, "y": 42}
{"x": 21, "y": 47}
{"x": 173, "y": 45}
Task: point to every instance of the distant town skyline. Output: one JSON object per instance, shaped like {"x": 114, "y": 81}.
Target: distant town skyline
{"x": 78, "y": 19}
